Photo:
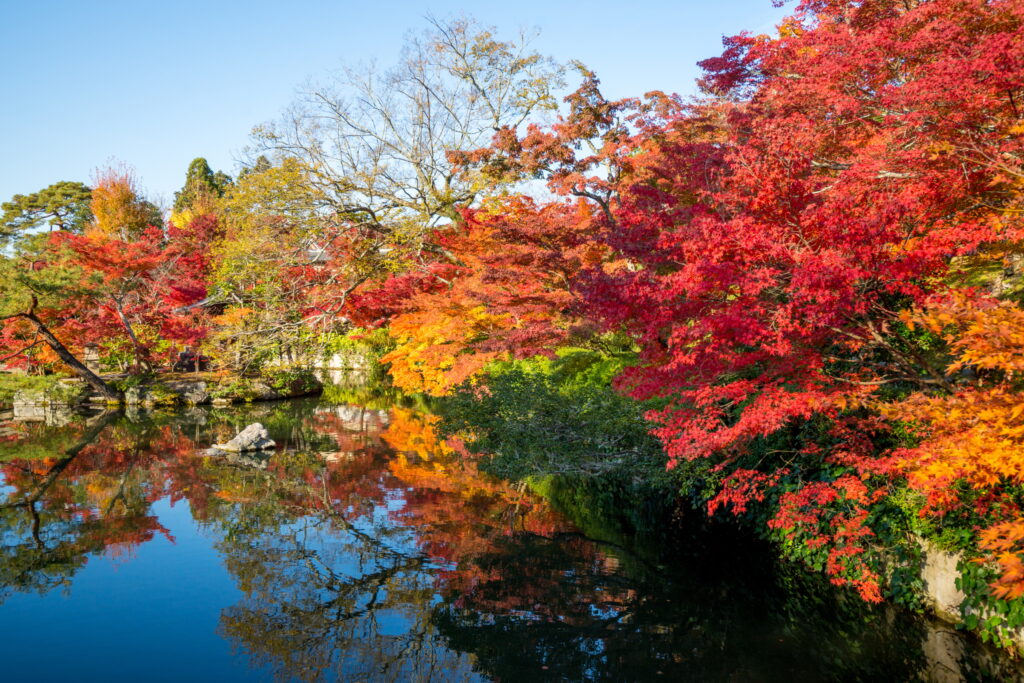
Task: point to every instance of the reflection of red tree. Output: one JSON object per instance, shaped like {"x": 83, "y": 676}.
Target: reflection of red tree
{"x": 461, "y": 518}
{"x": 122, "y": 534}
{"x": 102, "y": 491}
{"x": 464, "y": 518}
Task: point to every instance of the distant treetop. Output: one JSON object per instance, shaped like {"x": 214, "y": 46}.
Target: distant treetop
{"x": 62, "y": 206}
{"x": 201, "y": 185}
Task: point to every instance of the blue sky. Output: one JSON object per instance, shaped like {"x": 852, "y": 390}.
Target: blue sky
{"x": 156, "y": 83}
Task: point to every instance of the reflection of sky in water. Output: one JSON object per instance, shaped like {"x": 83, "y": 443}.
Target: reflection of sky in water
{"x": 148, "y": 617}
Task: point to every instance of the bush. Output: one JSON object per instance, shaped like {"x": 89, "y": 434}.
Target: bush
{"x": 235, "y": 389}
{"x": 557, "y": 416}
{"x": 290, "y": 381}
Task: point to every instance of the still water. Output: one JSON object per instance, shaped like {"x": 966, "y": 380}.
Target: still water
{"x": 364, "y": 549}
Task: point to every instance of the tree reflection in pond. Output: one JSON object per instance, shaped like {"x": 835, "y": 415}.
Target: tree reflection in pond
{"x": 364, "y": 549}
{"x": 61, "y": 509}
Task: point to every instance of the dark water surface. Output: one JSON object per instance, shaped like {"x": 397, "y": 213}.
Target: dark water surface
{"x": 364, "y": 550}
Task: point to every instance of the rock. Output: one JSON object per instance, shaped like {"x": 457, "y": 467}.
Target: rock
{"x": 264, "y": 392}
{"x": 39, "y": 406}
{"x": 196, "y": 396}
{"x": 30, "y": 397}
{"x": 134, "y": 396}
{"x": 192, "y": 393}
{"x": 167, "y": 393}
{"x": 54, "y": 406}
{"x": 253, "y": 438}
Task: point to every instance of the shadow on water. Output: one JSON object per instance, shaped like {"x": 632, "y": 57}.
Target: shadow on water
{"x": 365, "y": 549}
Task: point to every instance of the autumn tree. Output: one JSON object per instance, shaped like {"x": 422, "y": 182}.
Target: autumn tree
{"x": 770, "y": 234}
{"x": 36, "y": 284}
{"x": 117, "y": 204}
{"x": 135, "y": 290}
{"x": 118, "y": 282}
{"x": 276, "y": 231}
{"x": 348, "y": 213}
{"x": 513, "y": 293}
{"x": 967, "y": 463}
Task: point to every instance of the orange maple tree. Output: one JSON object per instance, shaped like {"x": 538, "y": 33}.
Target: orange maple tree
{"x": 514, "y": 294}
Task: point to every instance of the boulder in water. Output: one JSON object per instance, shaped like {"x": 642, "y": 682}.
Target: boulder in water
{"x": 253, "y": 438}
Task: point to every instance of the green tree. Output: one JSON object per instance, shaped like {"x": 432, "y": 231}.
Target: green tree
{"x": 201, "y": 185}
{"x": 63, "y": 206}
{"x": 262, "y": 163}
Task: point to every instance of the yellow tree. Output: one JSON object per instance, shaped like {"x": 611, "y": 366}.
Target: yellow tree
{"x": 118, "y": 207}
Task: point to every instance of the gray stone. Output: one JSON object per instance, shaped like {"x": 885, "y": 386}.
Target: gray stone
{"x": 190, "y": 393}
{"x": 135, "y": 396}
{"x": 38, "y": 406}
{"x": 197, "y": 395}
{"x": 41, "y": 406}
{"x": 253, "y": 438}
{"x": 939, "y": 574}
{"x": 30, "y": 397}
{"x": 91, "y": 357}
{"x": 193, "y": 393}
{"x": 264, "y": 392}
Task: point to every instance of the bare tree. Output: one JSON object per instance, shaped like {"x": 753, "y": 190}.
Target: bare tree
{"x": 376, "y": 143}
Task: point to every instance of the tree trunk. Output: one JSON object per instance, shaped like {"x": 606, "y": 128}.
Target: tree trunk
{"x": 90, "y": 377}
{"x": 140, "y": 353}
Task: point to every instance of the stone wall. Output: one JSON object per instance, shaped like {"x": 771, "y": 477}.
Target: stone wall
{"x": 940, "y": 574}
{"x": 342, "y": 368}
{"x": 39, "y": 406}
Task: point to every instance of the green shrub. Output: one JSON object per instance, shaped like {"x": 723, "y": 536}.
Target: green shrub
{"x": 290, "y": 381}
{"x": 235, "y": 389}
{"x": 561, "y": 416}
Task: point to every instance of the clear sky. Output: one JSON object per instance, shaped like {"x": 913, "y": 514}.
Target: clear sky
{"x": 156, "y": 83}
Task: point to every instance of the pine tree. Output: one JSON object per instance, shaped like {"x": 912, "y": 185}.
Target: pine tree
{"x": 63, "y": 206}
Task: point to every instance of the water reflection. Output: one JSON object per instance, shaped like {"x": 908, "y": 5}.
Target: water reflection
{"x": 364, "y": 549}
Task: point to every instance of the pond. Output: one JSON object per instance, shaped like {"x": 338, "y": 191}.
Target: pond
{"x": 363, "y": 549}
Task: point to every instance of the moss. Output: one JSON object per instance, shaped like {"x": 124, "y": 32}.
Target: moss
{"x": 234, "y": 389}
{"x": 161, "y": 395}
{"x": 50, "y": 386}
